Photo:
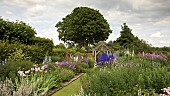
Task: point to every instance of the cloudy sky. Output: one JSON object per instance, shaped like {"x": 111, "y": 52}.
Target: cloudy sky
{"x": 148, "y": 19}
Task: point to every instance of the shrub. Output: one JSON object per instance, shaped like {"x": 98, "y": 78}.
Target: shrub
{"x": 35, "y": 53}
{"x": 90, "y": 62}
{"x": 66, "y": 74}
{"x": 36, "y": 84}
{"x": 81, "y": 65}
{"x": 6, "y": 87}
{"x": 45, "y": 44}
{"x": 11, "y": 68}
{"x": 56, "y": 59}
{"x": 59, "y": 52}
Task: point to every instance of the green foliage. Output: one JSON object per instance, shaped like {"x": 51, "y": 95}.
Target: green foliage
{"x": 35, "y": 53}
{"x": 127, "y": 38}
{"x": 128, "y": 41}
{"x": 81, "y": 67}
{"x": 59, "y": 52}
{"x": 39, "y": 83}
{"x": 72, "y": 50}
{"x": 7, "y": 49}
{"x": 90, "y": 62}
{"x": 11, "y": 68}
{"x": 61, "y": 45}
{"x": 16, "y": 31}
{"x": 126, "y": 80}
{"x": 84, "y": 26}
{"x": 45, "y": 44}
{"x": 17, "y": 56}
{"x": 56, "y": 59}
{"x": 81, "y": 50}
{"x": 66, "y": 74}
{"x": 17, "y": 35}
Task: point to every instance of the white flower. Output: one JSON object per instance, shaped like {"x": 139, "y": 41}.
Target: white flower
{"x": 21, "y": 73}
{"x": 28, "y": 71}
{"x": 32, "y": 69}
{"x": 37, "y": 68}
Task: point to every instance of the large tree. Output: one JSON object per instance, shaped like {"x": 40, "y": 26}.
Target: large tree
{"x": 84, "y": 26}
{"x": 128, "y": 40}
{"x": 16, "y": 31}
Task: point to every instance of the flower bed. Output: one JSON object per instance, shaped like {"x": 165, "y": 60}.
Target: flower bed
{"x": 145, "y": 77}
{"x": 39, "y": 79}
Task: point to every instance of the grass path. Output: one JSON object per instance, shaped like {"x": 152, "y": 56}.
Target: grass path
{"x": 70, "y": 90}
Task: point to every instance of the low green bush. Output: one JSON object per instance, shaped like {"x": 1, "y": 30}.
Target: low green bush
{"x": 66, "y": 74}
{"x": 56, "y": 59}
{"x": 35, "y": 53}
{"x": 90, "y": 62}
{"x": 81, "y": 65}
{"x": 59, "y": 52}
{"x": 10, "y": 69}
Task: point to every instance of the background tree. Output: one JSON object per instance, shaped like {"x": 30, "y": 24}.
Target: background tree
{"x": 128, "y": 41}
{"x": 60, "y": 45}
{"x": 127, "y": 38}
{"x": 16, "y": 31}
{"x": 84, "y": 26}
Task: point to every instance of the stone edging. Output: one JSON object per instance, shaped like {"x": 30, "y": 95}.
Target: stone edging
{"x": 51, "y": 92}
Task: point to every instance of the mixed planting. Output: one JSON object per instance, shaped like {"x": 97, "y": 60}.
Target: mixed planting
{"x": 131, "y": 76}
{"x": 24, "y": 78}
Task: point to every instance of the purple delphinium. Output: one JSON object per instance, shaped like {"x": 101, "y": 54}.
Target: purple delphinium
{"x": 84, "y": 59}
{"x": 68, "y": 64}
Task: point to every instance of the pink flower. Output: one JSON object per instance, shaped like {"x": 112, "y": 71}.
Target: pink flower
{"x": 44, "y": 67}
{"x": 167, "y": 91}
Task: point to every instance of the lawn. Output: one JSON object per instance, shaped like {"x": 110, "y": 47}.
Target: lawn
{"x": 70, "y": 90}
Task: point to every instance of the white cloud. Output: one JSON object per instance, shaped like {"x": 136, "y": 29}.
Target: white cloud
{"x": 138, "y": 4}
{"x": 157, "y": 34}
{"x": 8, "y": 12}
{"x": 23, "y": 3}
{"x": 37, "y": 10}
{"x": 165, "y": 42}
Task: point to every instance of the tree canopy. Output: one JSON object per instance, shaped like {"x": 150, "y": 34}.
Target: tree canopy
{"x": 126, "y": 38}
{"x": 128, "y": 41}
{"x": 16, "y": 31}
{"x": 84, "y": 26}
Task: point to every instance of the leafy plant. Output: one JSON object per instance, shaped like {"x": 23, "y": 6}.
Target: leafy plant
{"x": 11, "y": 68}
{"x": 126, "y": 80}
{"x": 56, "y": 59}
{"x": 6, "y": 87}
{"x": 66, "y": 74}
